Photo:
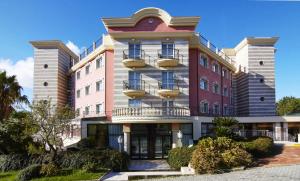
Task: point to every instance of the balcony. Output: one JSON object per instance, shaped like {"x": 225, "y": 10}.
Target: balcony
{"x": 91, "y": 114}
{"x": 171, "y": 112}
{"x": 134, "y": 59}
{"x": 134, "y": 88}
{"x": 168, "y": 58}
{"x": 168, "y": 88}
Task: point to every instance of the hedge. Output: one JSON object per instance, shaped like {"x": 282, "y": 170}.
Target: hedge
{"x": 180, "y": 157}
{"x": 259, "y": 146}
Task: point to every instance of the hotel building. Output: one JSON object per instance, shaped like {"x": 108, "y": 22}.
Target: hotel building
{"x": 152, "y": 76}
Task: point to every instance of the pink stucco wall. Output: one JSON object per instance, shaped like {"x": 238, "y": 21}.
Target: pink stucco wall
{"x": 157, "y": 25}
{"x": 94, "y": 97}
{"x": 109, "y": 85}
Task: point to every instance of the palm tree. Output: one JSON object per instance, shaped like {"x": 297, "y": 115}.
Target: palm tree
{"x": 10, "y": 95}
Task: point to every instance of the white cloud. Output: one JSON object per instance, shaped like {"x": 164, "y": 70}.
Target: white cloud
{"x": 73, "y": 47}
{"x": 23, "y": 69}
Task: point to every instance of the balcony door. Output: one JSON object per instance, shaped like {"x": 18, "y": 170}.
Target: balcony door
{"x": 134, "y": 50}
{"x": 167, "y": 50}
{"x": 134, "y": 80}
{"x": 167, "y": 107}
{"x": 167, "y": 80}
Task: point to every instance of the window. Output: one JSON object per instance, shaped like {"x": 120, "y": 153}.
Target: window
{"x": 207, "y": 129}
{"x": 168, "y": 81}
{"x": 225, "y": 91}
{"x": 99, "y": 62}
{"x": 215, "y": 68}
{"x": 187, "y": 134}
{"x": 86, "y": 110}
{"x": 261, "y": 62}
{"x": 204, "y": 107}
{"x": 134, "y": 102}
{"x": 261, "y": 80}
{"x": 262, "y": 99}
{"x": 216, "y": 88}
{"x": 45, "y": 66}
{"x": 78, "y": 75}
{"x": 87, "y": 90}
{"x": 77, "y": 111}
{"x": 99, "y": 86}
{"x": 87, "y": 69}
{"x": 78, "y": 93}
{"x": 134, "y": 80}
{"x": 226, "y": 110}
{"x": 99, "y": 108}
{"x": 203, "y": 61}
{"x": 45, "y": 84}
{"x": 203, "y": 84}
{"x": 216, "y": 109}
{"x": 114, "y": 131}
{"x": 134, "y": 50}
{"x": 225, "y": 73}
{"x": 167, "y": 50}
{"x": 98, "y": 132}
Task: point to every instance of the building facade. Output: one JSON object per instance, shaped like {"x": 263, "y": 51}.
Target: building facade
{"x": 155, "y": 82}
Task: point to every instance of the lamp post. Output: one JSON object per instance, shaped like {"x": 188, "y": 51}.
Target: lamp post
{"x": 120, "y": 141}
{"x": 179, "y": 136}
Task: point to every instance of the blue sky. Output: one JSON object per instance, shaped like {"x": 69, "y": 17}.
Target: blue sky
{"x": 225, "y": 23}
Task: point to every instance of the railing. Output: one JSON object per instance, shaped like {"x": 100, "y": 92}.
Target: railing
{"x": 169, "y": 53}
{"x": 91, "y": 48}
{"x": 213, "y": 113}
{"x": 134, "y": 84}
{"x": 134, "y": 54}
{"x": 92, "y": 114}
{"x": 214, "y": 49}
{"x": 170, "y": 84}
{"x": 251, "y": 133}
{"x": 152, "y": 111}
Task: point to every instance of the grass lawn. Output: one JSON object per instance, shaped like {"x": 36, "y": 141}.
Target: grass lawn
{"x": 8, "y": 176}
{"x": 75, "y": 175}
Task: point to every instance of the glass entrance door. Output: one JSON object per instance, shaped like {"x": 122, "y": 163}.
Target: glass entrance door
{"x": 139, "y": 147}
{"x": 134, "y": 80}
{"x": 167, "y": 80}
{"x": 162, "y": 146}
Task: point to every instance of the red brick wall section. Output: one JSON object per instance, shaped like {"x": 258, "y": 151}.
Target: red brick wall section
{"x": 152, "y": 24}
{"x": 197, "y": 71}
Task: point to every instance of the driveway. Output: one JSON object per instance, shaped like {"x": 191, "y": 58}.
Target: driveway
{"x": 277, "y": 173}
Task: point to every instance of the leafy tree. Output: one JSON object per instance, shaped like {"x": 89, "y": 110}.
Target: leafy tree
{"x": 288, "y": 105}
{"x": 16, "y": 134}
{"x": 224, "y": 126}
{"x": 10, "y": 95}
{"x": 51, "y": 122}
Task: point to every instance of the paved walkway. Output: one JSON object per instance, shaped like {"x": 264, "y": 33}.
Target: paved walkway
{"x": 278, "y": 173}
{"x": 288, "y": 155}
{"x": 149, "y": 165}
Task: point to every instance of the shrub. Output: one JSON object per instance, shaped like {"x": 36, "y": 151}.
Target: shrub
{"x": 29, "y": 173}
{"x": 212, "y": 155}
{"x": 179, "y": 157}
{"x": 91, "y": 167}
{"x": 13, "y": 162}
{"x": 49, "y": 169}
{"x": 259, "y": 146}
{"x": 86, "y": 143}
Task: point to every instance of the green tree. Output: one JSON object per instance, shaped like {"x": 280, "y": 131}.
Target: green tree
{"x": 10, "y": 95}
{"x": 51, "y": 122}
{"x": 288, "y": 105}
{"x": 224, "y": 126}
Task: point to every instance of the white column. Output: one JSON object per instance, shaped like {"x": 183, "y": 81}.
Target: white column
{"x": 277, "y": 132}
{"x": 254, "y": 129}
{"x": 285, "y": 132}
{"x": 175, "y": 129}
{"x": 127, "y": 142}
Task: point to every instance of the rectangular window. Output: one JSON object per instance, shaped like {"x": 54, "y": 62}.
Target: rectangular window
{"x": 99, "y": 63}
{"x": 87, "y": 69}
{"x": 114, "y": 132}
{"x": 204, "y": 107}
{"x": 87, "y": 90}
{"x": 134, "y": 80}
{"x": 168, "y": 81}
{"x": 78, "y": 93}
{"x": 216, "y": 88}
{"x": 98, "y": 133}
{"x": 203, "y": 61}
{"x": 224, "y": 73}
{"x": 187, "y": 134}
{"x": 226, "y": 111}
{"x": 134, "y": 103}
{"x": 99, "y": 86}
{"x": 207, "y": 129}
{"x": 203, "y": 84}
{"x": 215, "y": 68}
{"x": 225, "y": 91}
{"x": 167, "y": 50}
{"x": 134, "y": 50}
{"x": 78, "y": 75}
{"x": 87, "y": 110}
{"x": 99, "y": 108}
{"x": 216, "y": 109}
